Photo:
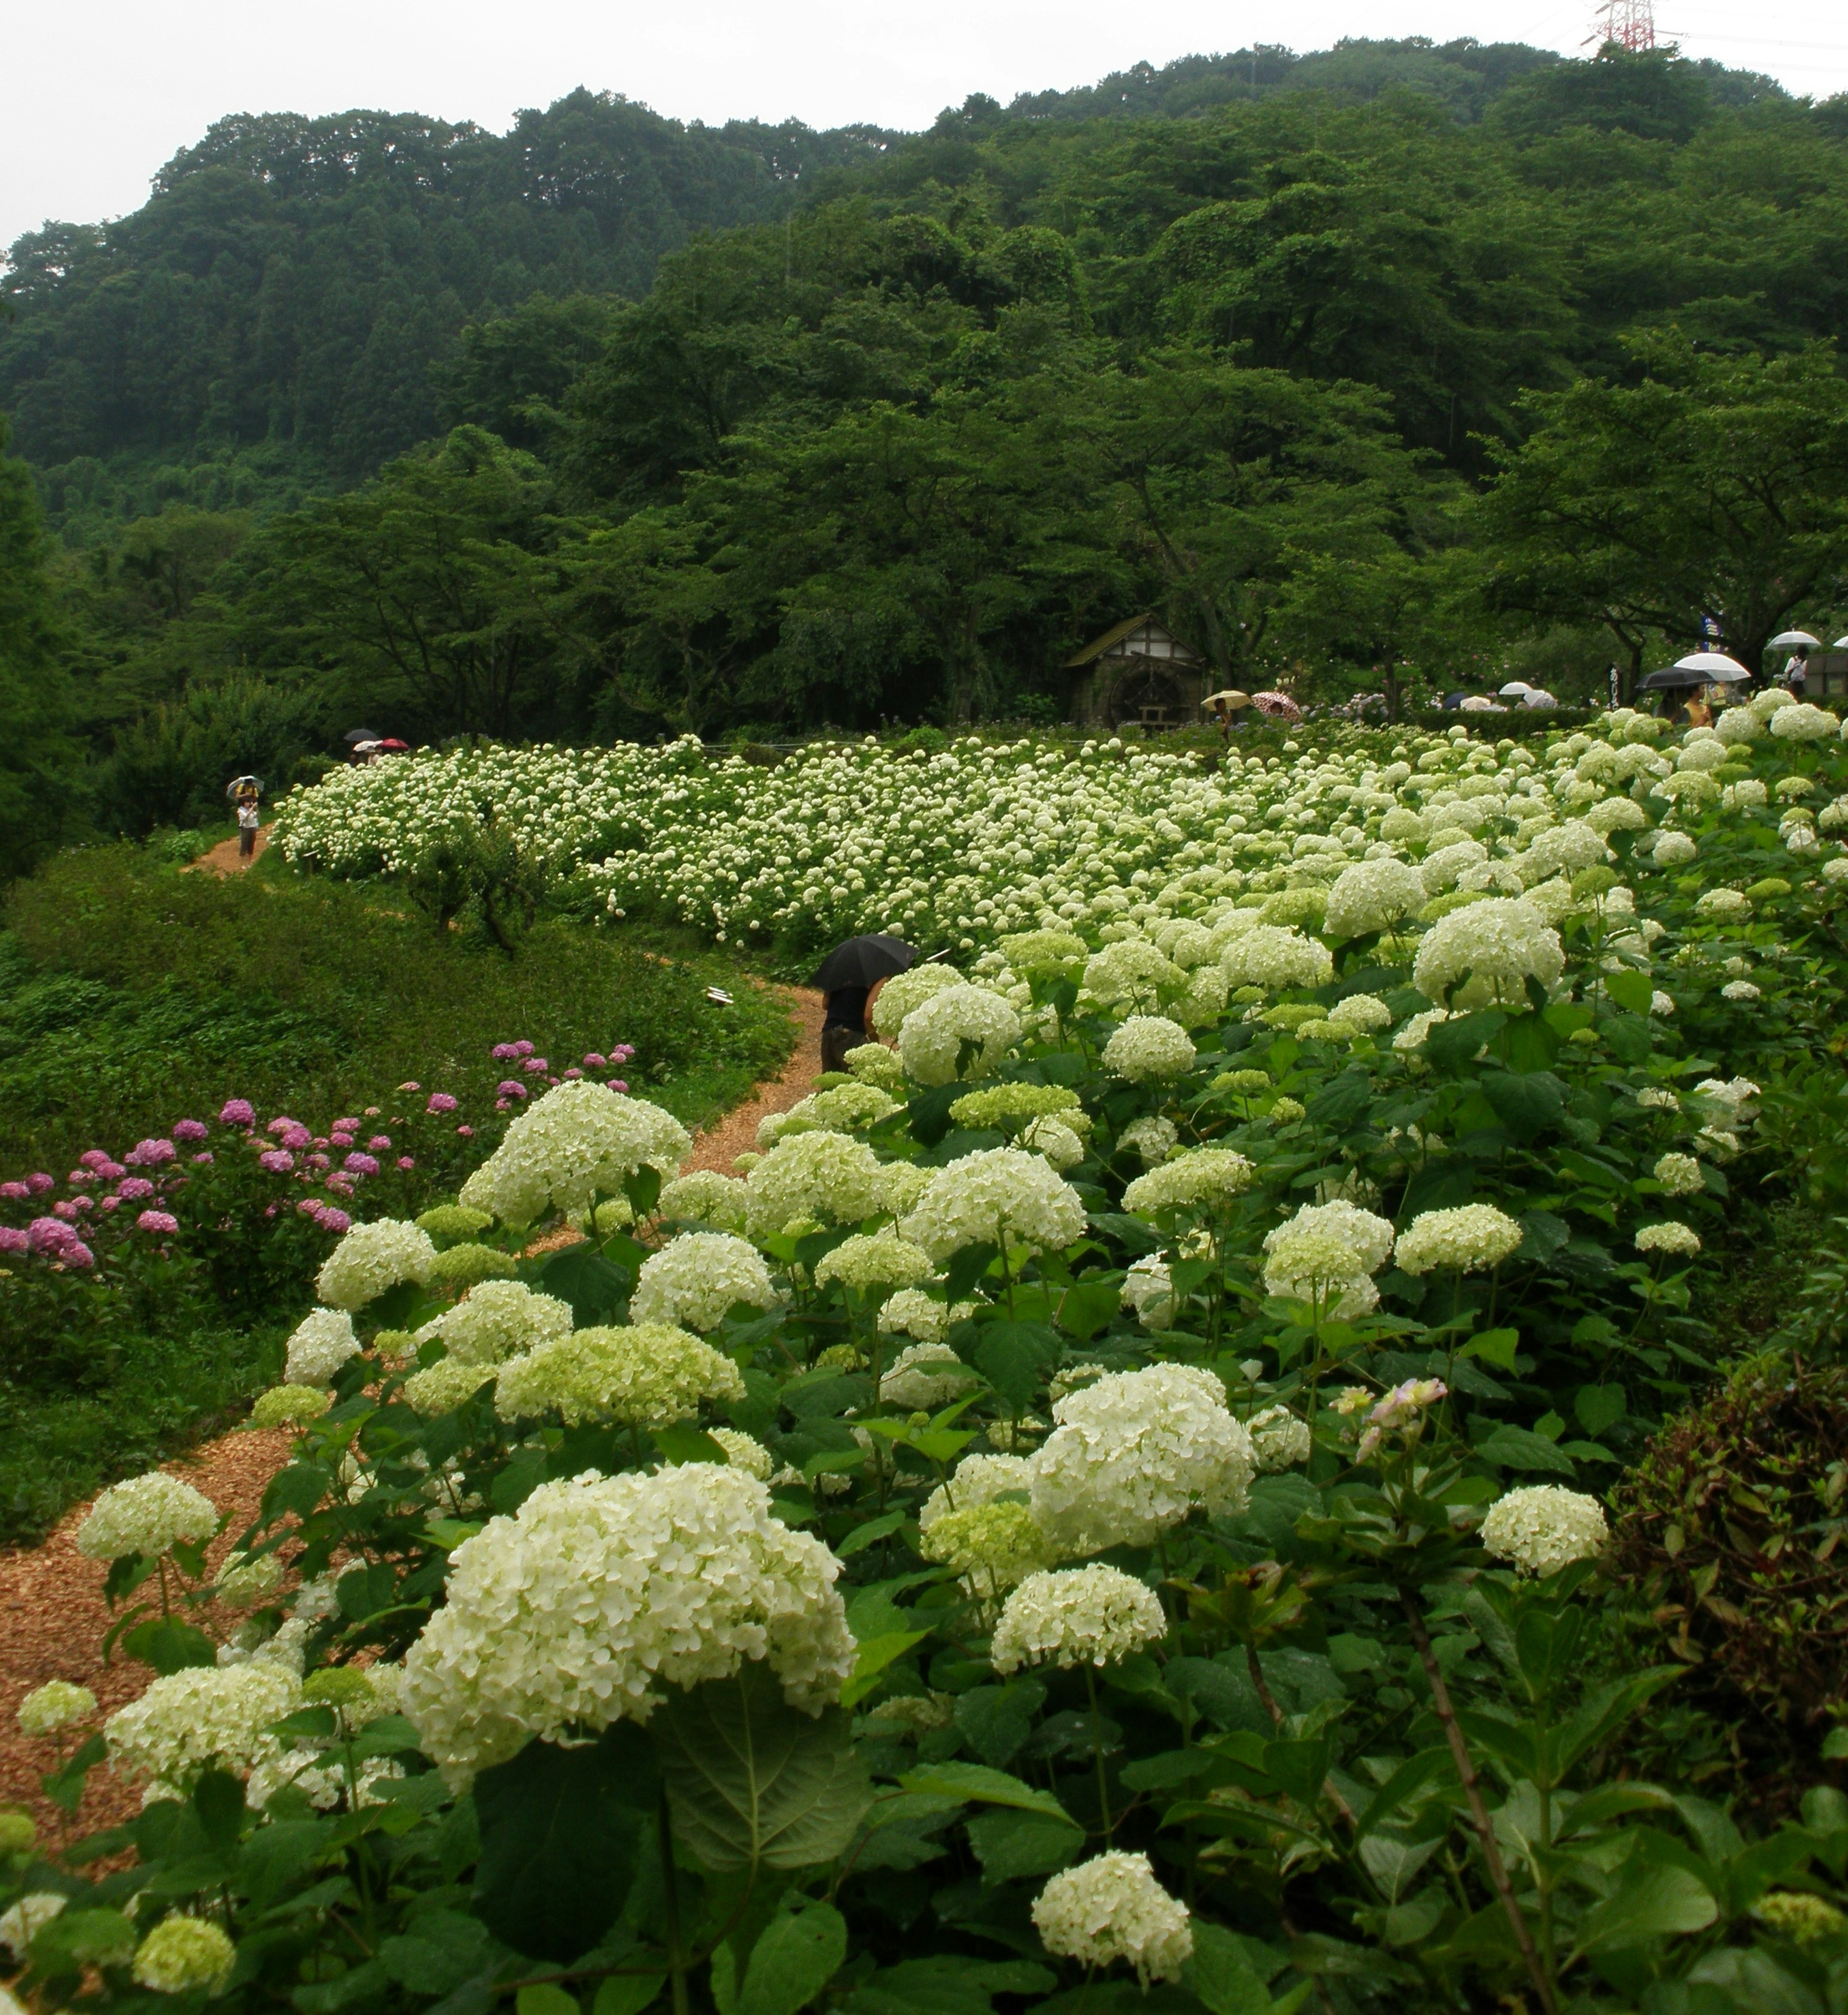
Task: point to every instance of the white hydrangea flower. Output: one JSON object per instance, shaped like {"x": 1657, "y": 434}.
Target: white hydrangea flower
{"x": 1723, "y": 905}
{"x": 823, "y": 1178}
{"x": 1360, "y": 1014}
{"x": 1148, "y": 1291}
{"x": 1314, "y": 1265}
{"x": 1054, "y": 1141}
{"x": 910, "y": 1312}
{"x": 1153, "y": 1138}
{"x": 744, "y": 1452}
{"x": 579, "y": 1141}
{"x": 1112, "y": 1908}
{"x": 1543, "y": 1528}
{"x": 1130, "y": 973}
{"x": 906, "y": 992}
{"x": 873, "y": 1063}
{"x": 1134, "y": 1454}
{"x": 932, "y": 1039}
{"x": 1679, "y": 1174}
{"x": 577, "y": 1611}
{"x": 695, "y": 1281}
{"x": 498, "y": 1320}
{"x": 1486, "y": 952}
{"x": 977, "y": 1480}
{"x": 245, "y": 1579}
{"x": 1682, "y": 1240}
{"x": 1738, "y": 725}
{"x": 913, "y": 1382}
{"x": 23, "y": 1922}
{"x": 441, "y": 1387}
{"x": 1674, "y": 849}
{"x": 371, "y": 1258}
{"x": 322, "y": 1342}
{"x": 1075, "y": 1616}
{"x": 1150, "y": 1049}
{"x": 55, "y": 1705}
{"x": 1276, "y": 959}
{"x": 1281, "y": 1439}
{"x": 1372, "y": 896}
{"x": 186, "y": 1955}
{"x": 1472, "y": 1238}
{"x": 869, "y": 1261}
{"x": 898, "y": 1185}
{"x": 1804, "y": 723}
{"x": 1001, "y": 1196}
{"x": 207, "y": 1717}
{"x": 1202, "y": 1179}
{"x": 704, "y": 1196}
{"x": 649, "y": 1375}
{"x": 1367, "y": 1235}
{"x": 145, "y": 1515}
{"x": 1740, "y": 990}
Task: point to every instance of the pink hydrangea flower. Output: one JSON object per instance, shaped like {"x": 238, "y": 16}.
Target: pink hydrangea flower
{"x": 39, "y": 1181}
{"x": 94, "y": 1158}
{"x": 372, "y": 1112}
{"x": 318, "y": 1161}
{"x": 311, "y": 1207}
{"x": 440, "y": 1101}
{"x": 297, "y": 1138}
{"x": 467, "y": 1133}
{"x": 410, "y": 1084}
{"x": 340, "y": 1137}
{"x": 67, "y": 1211}
{"x": 13, "y": 1240}
{"x": 622, "y": 1053}
{"x": 505, "y": 1053}
{"x": 594, "y": 1060}
{"x": 157, "y": 1220}
{"x": 79, "y": 1177}
{"x": 617, "y": 1083}
{"x": 14, "y": 1192}
{"x": 150, "y": 1154}
{"x": 571, "y": 1070}
{"x": 208, "y": 1156}
{"x": 280, "y": 1124}
{"x": 379, "y": 1142}
{"x": 112, "y": 1203}
{"x": 83, "y": 1203}
{"x": 347, "y": 1126}
{"x": 522, "y": 1048}
{"x": 190, "y": 1130}
{"x": 501, "y": 1104}
{"x": 361, "y": 1164}
{"x": 510, "y": 1087}
{"x": 336, "y": 1221}
{"x": 341, "y": 1185}
{"x": 111, "y": 1171}
{"x": 535, "y": 1066}
{"x": 405, "y": 1161}
{"x": 131, "y": 1189}
{"x": 276, "y": 1161}
{"x": 237, "y": 1112}
{"x": 48, "y": 1234}
{"x": 76, "y": 1254}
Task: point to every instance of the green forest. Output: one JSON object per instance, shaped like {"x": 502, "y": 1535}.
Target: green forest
{"x": 1395, "y": 367}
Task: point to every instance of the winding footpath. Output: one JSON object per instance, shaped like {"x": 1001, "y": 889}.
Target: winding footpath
{"x": 53, "y": 1616}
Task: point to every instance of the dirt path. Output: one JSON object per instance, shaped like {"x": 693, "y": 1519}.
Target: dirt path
{"x": 223, "y": 859}
{"x": 53, "y": 1616}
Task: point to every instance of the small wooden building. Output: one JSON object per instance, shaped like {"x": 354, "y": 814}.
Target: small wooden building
{"x": 1140, "y": 673}
{"x": 1828, "y": 677}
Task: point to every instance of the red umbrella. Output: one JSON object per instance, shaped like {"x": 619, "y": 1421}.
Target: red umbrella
{"x": 1279, "y": 706}
{"x": 391, "y": 742}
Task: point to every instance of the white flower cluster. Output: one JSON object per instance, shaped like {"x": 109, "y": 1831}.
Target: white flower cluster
{"x": 1274, "y": 958}
{"x": 1682, "y": 1240}
{"x": 1372, "y": 896}
{"x": 695, "y": 1281}
{"x": 1202, "y": 1179}
{"x": 1112, "y": 1908}
{"x": 1483, "y": 954}
{"x": 998, "y": 1196}
{"x": 1543, "y": 1528}
{"x": 1074, "y": 1616}
{"x": 371, "y": 1258}
{"x": 813, "y": 1178}
{"x": 322, "y": 1342}
{"x": 1134, "y": 1453}
{"x": 579, "y": 1141}
{"x": 649, "y": 1375}
{"x": 207, "y": 1717}
{"x": 576, "y": 1612}
{"x": 55, "y": 1705}
{"x": 1148, "y": 1049}
{"x": 145, "y": 1515}
{"x": 1280, "y": 1439}
{"x": 870, "y": 1261}
{"x": 498, "y": 1320}
{"x": 911, "y": 1313}
{"x": 1472, "y": 1238}
{"x": 913, "y": 1382}
{"x": 934, "y": 1038}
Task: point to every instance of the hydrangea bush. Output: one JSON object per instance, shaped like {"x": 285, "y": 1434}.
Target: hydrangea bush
{"x": 1120, "y": 1510}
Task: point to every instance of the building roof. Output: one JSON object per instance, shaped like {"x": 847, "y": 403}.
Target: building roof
{"x": 1101, "y": 647}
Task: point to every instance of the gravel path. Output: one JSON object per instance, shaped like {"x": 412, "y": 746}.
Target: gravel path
{"x": 223, "y": 859}
{"x": 53, "y": 1616}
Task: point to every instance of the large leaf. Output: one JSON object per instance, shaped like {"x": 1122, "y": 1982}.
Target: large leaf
{"x": 1521, "y": 1448}
{"x": 983, "y": 1786}
{"x": 1010, "y": 1844}
{"x": 793, "y": 1960}
{"x": 1528, "y": 1106}
{"x": 1015, "y": 1357}
{"x": 562, "y": 1831}
{"x": 581, "y": 1275}
{"x": 1648, "y": 1903}
{"x": 752, "y": 1780}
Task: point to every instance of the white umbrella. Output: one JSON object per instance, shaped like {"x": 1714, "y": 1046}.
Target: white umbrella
{"x": 1719, "y": 669}
{"x": 1514, "y": 688}
{"x": 1788, "y": 640}
{"x": 1840, "y": 644}
{"x": 1475, "y": 703}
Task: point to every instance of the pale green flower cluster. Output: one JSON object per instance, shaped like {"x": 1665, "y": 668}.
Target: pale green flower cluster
{"x": 204, "y": 1717}
{"x": 1543, "y": 1528}
{"x": 999, "y": 1196}
{"x": 960, "y": 1032}
{"x": 576, "y": 1612}
{"x": 814, "y": 1178}
{"x": 1111, "y": 1909}
{"x": 55, "y": 1705}
{"x": 322, "y": 1342}
{"x": 579, "y": 1141}
{"x": 649, "y": 1375}
{"x": 869, "y": 1262}
{"x": 498, "y": 1320}
{"x": 371, "y": 1258}
{"x": 145, "y": 1515}
{"x": 1072, "y": 1616}
{"x": 1148, "y": 1049}
{"x": 695, "y": 1281}
{"x": 186, "y": 1955}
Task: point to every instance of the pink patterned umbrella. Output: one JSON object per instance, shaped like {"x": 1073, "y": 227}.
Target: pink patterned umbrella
{"x": 1279, "y": 706}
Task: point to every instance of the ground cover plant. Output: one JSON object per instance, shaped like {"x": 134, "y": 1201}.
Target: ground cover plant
{"x": 1162, "y": 1483}
{"x": 201, "y": 1080}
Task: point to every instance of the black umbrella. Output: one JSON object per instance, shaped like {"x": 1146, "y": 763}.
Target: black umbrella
{"x": 1673, "y": 680}
{"x": 860, "y": 962}
{"x": 362, "y": 734}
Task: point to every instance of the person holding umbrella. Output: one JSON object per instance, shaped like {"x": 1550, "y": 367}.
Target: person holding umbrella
{"x": 1799, "y": 643}
{"x": 247, "y": 792}
{"x": 849, "y": 977}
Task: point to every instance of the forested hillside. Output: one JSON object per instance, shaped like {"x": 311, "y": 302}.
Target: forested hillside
{"x": 1392, "y": 364}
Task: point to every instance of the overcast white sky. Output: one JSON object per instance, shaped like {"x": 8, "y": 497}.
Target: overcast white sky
{"x": 101, "y": 92}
